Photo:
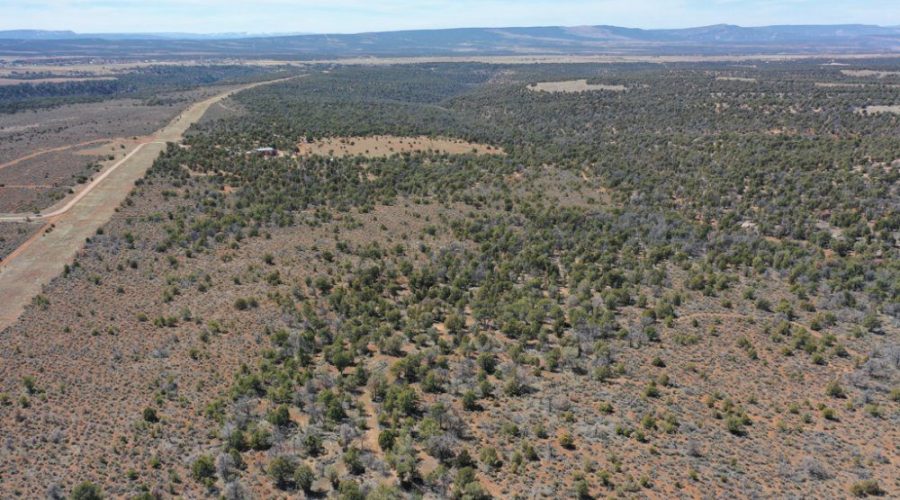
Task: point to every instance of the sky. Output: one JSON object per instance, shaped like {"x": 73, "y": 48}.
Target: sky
{"x": 354, "y": 16}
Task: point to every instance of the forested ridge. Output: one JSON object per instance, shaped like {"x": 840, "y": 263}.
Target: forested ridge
{"x": 145, "y": 83}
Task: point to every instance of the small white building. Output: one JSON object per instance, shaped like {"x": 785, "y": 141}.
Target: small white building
{"x": 265, "y": 151}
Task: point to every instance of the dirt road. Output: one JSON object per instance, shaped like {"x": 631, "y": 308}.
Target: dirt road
{"x": 81, "y": 194}
{"x": 41, "y": 258}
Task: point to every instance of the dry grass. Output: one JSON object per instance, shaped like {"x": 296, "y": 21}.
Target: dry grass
{"x": 14, "y": 234}
{"x": 387, "y": 145}
{"x": 75, "y": 68}
{"x": 599, "y": 59}
{"x": 574, "y": 86}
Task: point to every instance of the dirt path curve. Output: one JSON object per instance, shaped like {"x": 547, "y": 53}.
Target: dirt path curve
{"x": 371, "y": 436}
{"x": 81, "y": 194}
{"x": 42, "y": 257}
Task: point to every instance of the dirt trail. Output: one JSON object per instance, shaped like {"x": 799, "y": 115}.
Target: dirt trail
{"x": 81, "y": 194}
{"x": 52, "y": 150}
{"x": 27, "y": 269}
{"x": 370, "y": 438}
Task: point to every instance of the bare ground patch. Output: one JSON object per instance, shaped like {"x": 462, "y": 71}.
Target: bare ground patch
{"x": 873, "y": 110}
{"x": 387, "y": 145}
{"x": 736, "y": 79}
{"x": 574, "y": 86}
{"x": 839, "y": 85}
{"x": 869, "y": 72}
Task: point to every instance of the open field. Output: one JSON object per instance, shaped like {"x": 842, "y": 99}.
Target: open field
{"x": 736, "y": 79}
{"x": 574, "y": 86}
{"x": 876, "y": 109}
{"x": 379, "y": 145}
{"x": 869, "y": 73}
{"x": 838, "y": 85}
{"x": 63, "y": 69}
{"x": 596, "y": 59}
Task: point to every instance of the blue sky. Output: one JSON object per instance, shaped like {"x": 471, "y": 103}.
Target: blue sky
{"x": 349, "y": 16}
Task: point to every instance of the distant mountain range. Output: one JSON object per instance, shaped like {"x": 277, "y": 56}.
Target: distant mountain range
{"x": 71, "y": 35}
{"x": 717, "y": 39}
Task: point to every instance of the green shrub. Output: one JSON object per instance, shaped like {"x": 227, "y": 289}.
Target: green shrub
{"x": 281, "y": 470}
{"x": 582, "y": 490}
{"x": 566, "y": 440}
{"x": 204, "y": 470}
{"x": 350, "y": 490}
{"x": 866, "y": 488}
{"x": 489, "y": 457}
{"x": 735, "y": 425}
{"x": 353, "y": 461}
{"x": 470, "y": 400}
{"x": 150, "y": 415}
{"x": 304, "y": 477}
{"x": 835, "y": 390}
{"x": 280, "y": 416}
{"x": 86, "y": 491}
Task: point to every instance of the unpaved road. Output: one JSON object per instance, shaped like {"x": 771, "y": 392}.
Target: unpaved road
{"x": 81, "y": 194}
{"x": 27, "y": 269}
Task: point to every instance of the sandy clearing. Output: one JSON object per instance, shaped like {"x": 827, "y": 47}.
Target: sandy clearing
{"x": 869, "y": 72}
{"x": 387, "y": 145}
{"x": 838, "y": 85}
{"x": 41, "y": 258}
{"x": 112, "y": 147}
{"x": 735, "y": 79}
{"x": 873, "y": 110}
{"x": 18, "y": 128}
{"x": 572, "y": 86}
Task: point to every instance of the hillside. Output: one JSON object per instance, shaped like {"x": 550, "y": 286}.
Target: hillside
{"x": 477, "y": 281}
{"x": 718, "y": 39}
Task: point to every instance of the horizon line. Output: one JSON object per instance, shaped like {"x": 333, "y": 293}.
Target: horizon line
{"x": 249, "y": 34}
